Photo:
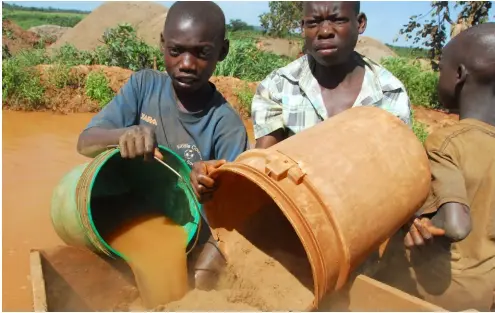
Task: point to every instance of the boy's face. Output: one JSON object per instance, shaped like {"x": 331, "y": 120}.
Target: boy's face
{"x": 331, "y": 30}
{"x": 191, "y": 51}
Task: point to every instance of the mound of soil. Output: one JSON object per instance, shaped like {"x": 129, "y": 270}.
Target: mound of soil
{"x": 16, "y": 39}
{"x": 434, "y": 119}
{"x": 373, "y": 49}
{"x": 278, "y": 46}
{"x": 51, "y": 32}
{"x": 147, "y": 17}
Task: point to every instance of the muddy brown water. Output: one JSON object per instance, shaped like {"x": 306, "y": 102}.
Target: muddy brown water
{"x": 38, "y": 149}
{"x": 159, "y": 266}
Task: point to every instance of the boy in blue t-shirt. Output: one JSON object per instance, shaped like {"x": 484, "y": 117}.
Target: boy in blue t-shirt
{"x": 182, "y": 110}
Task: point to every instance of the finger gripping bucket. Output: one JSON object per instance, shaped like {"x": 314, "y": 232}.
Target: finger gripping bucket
{"x": 164, "y": 185}
{"x": 344, "y": 186}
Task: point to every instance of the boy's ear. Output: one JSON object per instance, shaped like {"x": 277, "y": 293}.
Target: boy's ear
{"x": 363, "y": 22}
{"x": 225, "y": 50}
{"x": 462, "y": 74}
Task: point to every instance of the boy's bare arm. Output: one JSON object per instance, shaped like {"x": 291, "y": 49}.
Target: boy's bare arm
{"x": 454, "y": 218}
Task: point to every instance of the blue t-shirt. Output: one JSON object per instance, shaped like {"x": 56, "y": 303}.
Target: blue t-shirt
{"x": 148, "y": 99}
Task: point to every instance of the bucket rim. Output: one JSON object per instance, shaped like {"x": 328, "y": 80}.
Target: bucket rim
{"x": 196, "y": 213}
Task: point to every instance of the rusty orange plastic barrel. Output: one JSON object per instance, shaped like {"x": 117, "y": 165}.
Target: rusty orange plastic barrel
{"x": 345, "y": 185}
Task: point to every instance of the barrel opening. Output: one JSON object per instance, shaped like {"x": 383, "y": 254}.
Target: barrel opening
{"x": 124, "y": 189}
{"x": 243, "y": 206}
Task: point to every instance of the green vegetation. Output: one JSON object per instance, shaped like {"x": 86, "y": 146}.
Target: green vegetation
{"x": 27, "y": 17}
{"x": 247, "y": 62}
{"x": 60, "y": 75}
{"x": 421, "y": 85}
{"x": 409, "y": 52}
{"x": 97, "y": 88}
{"x": 122, "y": 48}
{"x": 419, "y": 130}
{"x": 245, "y": 97}
{"x": 21, "y": 84}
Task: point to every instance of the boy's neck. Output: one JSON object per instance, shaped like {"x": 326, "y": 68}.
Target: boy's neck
{"x": 479, "y": 105}
{"x": 331, "y": 77}
{"x": 196, "y": 101}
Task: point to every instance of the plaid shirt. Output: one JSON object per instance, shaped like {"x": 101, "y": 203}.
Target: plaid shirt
{"x": 290, "y": 97}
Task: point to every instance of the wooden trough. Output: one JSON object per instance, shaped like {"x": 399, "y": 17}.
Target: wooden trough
{"x": 74, "y": 280}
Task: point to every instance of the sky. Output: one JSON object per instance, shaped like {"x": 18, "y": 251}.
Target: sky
{"x": 385, "y": 18}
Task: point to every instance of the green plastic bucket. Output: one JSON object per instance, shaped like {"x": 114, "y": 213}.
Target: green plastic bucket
{"x": 165, "y": 186}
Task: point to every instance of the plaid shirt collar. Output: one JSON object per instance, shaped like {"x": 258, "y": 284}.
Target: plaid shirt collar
{"x": 299, "y": 72}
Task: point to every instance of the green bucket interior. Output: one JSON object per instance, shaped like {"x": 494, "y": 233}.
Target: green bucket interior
{"x": 144, "y": 187}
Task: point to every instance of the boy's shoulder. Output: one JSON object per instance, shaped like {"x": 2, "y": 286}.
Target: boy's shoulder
{"x": 387, "y": 80}
{"x": 464, "y": 132}
{"x": 148, "y": 75}
{"x": 224, "y": 111}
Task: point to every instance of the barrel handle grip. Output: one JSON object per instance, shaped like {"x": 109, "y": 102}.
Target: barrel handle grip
{"x": 187, "y": 186}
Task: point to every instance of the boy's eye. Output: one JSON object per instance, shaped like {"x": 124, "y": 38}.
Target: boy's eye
{"x": 174, "y": 52}
{"x": 340, "y": 20}
{"x": 310, "y": 23}
{"x": 204, "y": 53}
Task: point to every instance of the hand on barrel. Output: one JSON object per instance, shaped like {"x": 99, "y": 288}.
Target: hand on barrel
{"x": 139, "y": 141}
{"x": 421, "y": 232}
{"x": 202, "y": 183}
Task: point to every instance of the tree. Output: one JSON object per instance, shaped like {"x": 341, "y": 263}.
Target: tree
{"x": 283, "y": 19}
{"x": 432, "y": 32}
{"x": 237, "y": 24}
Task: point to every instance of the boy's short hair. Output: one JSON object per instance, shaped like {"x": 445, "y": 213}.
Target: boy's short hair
{"x": 202, "y": 12}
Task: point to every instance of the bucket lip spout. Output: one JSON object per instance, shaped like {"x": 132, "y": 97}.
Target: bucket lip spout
{"x": 190, "y": 195}
{"x": 281, "y": 200}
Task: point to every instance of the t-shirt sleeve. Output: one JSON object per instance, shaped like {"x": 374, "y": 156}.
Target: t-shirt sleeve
{"x": 122, "y": 110}
{"x": 447, "y": 184}
{"x": 266, "y": 109}
{"x": 231, "y": 138}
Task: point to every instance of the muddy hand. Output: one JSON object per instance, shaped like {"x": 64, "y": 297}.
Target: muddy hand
{"x": 421, "y": 232}
{"x": 209, "y": 266}
{"x": 202, "y": 183}
{"x": 139, "y": 141}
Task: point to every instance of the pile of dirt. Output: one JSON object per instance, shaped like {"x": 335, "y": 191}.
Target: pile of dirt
{"x": 15, "y": 39}
{"x": 434, "y": 119}
{"x": 279, "y": 46}
{"x": 147, "y": 17}
{"x": 229, "y": 87}
{"x": 50, "y": 32}
{"x": 373, "y": 49}
{"x": 267, "y": 275}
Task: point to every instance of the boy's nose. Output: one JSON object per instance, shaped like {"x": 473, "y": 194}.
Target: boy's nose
{"x": 188, "y": 63}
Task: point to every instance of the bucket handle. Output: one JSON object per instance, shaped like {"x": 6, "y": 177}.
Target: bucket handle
{"x": 187, "y": 186}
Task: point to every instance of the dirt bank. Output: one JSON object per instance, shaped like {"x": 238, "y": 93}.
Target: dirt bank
{"x": 17, "y": 39}
{"x": 72, "y": 99}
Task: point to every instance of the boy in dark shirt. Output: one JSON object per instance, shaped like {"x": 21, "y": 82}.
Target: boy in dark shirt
{"x": 455, "y": 265}
{"x": 181, "y": 110}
